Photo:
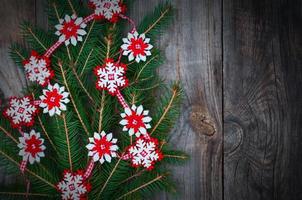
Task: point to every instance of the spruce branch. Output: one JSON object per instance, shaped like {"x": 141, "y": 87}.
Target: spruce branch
{"x": 8, "y": 134}
{"x": 72, "y": 99}
{"x": 67, "y": 141}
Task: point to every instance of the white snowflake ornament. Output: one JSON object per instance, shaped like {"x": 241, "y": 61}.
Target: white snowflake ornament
{"x": 136, "y": 120}
{"x": 111, "y": 76}
{"x": 107, "y": 9}
{"x": 32, "y": 148}
{"x": 37, "y": 69}
{"x": 136, "y": 46}
{"x": 73, "y": 186}
{"x": 144, "y": 152}
{"x": 21, "y": 111}
{"x": 102, "y": 147}
{"x": 54, "y": 99}
{"x": 71, "y": 29}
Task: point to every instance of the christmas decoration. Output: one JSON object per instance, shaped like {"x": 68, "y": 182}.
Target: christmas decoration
{"x": 71, "y": 29}
{"x": 144, "y": 152}
{"x": 37, "y": 69}
{"x": 54, "y": 99}
{"x": 32, "y": 148}
{"x": 21, "y": 111}
{"x": 102, "y": 147}
{"x": 111, "y": 76}
{"x": 136, "y": 47}
{"x": 107, "y": 9}
{"x": 136, "y": 159}
{"x": 136, "y": 120}
{"x": 73, "y": 186}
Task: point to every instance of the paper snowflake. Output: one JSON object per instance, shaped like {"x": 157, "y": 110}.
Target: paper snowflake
{"x": 21, "y": 111}
{"x": 32, "y": 148}
{"x": 102, "y": 147}
{"x": 107, "y": 9}
{"x": 37, "y": 69}
{"x": 73, "y": 186}
{"x": 111, "y": 76}
{"x": 54, "y": 99}
{"x": 144, "y": 152}
{"x": 71, "y": 29}
{"x": 136, "y": 47}
{"x": 136, "y": 120}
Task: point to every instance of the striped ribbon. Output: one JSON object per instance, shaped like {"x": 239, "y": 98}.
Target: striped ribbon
{"x": 89, "y": 169}
{"x": 121, "y": 99}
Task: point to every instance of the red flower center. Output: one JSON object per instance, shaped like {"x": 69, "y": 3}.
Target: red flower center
{"x": 33, "y": 145}
{"x": 144, "y": 153}
{"x": 21, "y": 110}
{"x": 102, "y": 146}
{"x": 71, "y": 187}
{"x": 138, "y": 46}
{"x": 53, "y": 99}
{"x": 135, "y": 121}
{"x": 107, "y": 5}
{"x": 36, "y": 70}
{"x": 70, "y": 29}
{"x": 111, "y": 77}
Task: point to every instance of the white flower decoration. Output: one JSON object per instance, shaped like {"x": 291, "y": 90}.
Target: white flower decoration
{"x": 102, "y": 147}
{"x": 32, "y": 148}
{"x": 136, "y": 47}
{"x": 54, "y": 99}
{"x": 136, "y": 120}
{"x": 107, "y": 8}
{"x": 71, "y": 29}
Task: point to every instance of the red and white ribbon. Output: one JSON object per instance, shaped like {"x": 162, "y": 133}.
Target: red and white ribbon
{"x": 89, "y": 169}
{"x": 52, "y": 49}
{"x": 23, "y": 165}
{"x": 121, "y": 99}
{"x": 88, "y": 18}
{"x": 130, "y": 21}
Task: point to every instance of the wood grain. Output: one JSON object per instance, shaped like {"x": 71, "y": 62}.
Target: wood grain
{"x": 193, "y": 50}
{"x": 261, "y": 117}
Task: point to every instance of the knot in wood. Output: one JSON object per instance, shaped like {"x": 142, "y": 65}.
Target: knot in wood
{"x": 201, "y": 121}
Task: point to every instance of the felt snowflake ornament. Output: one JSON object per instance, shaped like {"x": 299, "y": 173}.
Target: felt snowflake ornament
{"x": 136, "y": 47}
{"x": 73, "y": 186}
{"x": 21, "y": 111}
{"x": 102, "y": 147}
{"x": 37, "y": 69}
{"x": 136, "y": 120}
{"x": 32, "y": 148}
{"x": 54, "y": 99}
{"x": 111, "y": 76}
{"x": 71, "y": 29}
{"x": 107, "y": 9}
{"x": 144, "y": 152}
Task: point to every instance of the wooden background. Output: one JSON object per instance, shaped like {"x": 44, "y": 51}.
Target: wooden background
{"x": 240, "y": 62}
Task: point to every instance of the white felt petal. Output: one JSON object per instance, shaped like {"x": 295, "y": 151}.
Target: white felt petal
{"x": 139, "y": 110}
{"x": 73, "y": 41}
{"x": 125, "y": 46}
{"x": 81, "y": 32}
{"x": 103, "y": 134}
{"x": 109, "y": 137}
{"x": 125, "y": 128}
{"x": 124, "y": 122}
{"x": 147, "y": 119}
{"x": 102, "y": 160}
{"x": 131, "y": 131}
{"x": 67, "y": 18}
{"x": 128, "y": 111}
{"x": 89, "y": 146}
{"x": 131, "y": 57}
{"x": 96, "y": 157}
{"x": 143, "y": 130}
{"x": 107, "y": 157}
{"x": 62, "y": 38}
{"x": 97, "y": 136}
{"x": 114, "y": 140}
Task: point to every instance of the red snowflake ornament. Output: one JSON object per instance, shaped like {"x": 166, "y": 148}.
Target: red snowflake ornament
{"x": 37, "y": 69}
{"x": 21, "y": 111}
{"x": 136, "y": 120}
{"x": 144, "y": 152}
{"x": 111, "y": 76}
{"x": 71, "y": 29}
{"x": 136, "y": 47}
{"x": 73, "y": 186}
{"x": 102, "y": 147}
{"x": 107, "y": 9}
{"x": 32, "y": 148}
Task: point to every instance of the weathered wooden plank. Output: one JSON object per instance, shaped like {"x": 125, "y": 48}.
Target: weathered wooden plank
{"x": 262, "y": 70}
{"x": 193, "y": 49}
{"x": 12, "y": 13}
